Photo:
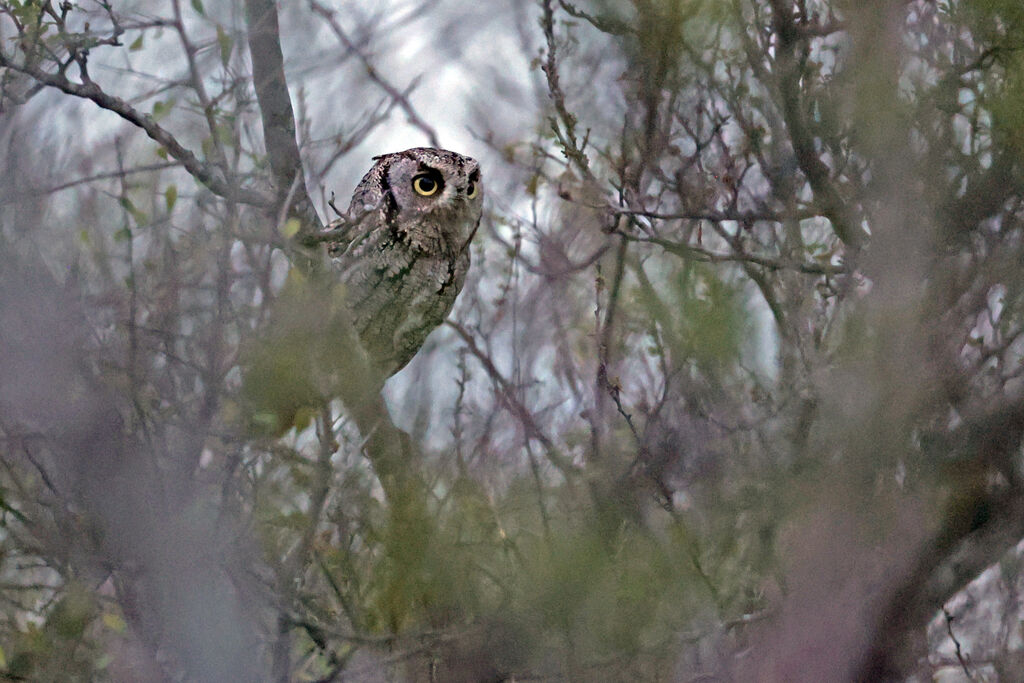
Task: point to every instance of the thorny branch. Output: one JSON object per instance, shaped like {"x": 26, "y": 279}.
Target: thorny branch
{"x": 564, "y": 126}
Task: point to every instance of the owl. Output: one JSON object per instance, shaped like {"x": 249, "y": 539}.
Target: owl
{"x": 403, "y": 248}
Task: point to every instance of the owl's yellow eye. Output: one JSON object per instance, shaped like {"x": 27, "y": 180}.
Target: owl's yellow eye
{"x": 425, "y": 185}
{"x": 471, "y": 189}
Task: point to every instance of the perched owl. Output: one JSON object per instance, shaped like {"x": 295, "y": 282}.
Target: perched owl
{"x": 403, "y": 248}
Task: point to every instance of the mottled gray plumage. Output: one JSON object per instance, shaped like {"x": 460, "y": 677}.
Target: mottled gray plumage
{"x": 403, "y": 248}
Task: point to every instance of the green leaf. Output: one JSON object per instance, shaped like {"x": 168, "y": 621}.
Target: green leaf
{"x": 265, "y": 423}
{"x": 291, "y": 227}
{"x": 162, "y": 108}
{"x": 197, "y": 5}
{"x": 226, "y": 43}
{"x": 141, "y": 217}
{"x": 304, "y": 416}
{"x": 72, "y": 613}
{"x": 171, "y": 196}
{"x": 123, "y": 235}
{"x": 27, "y": 12}
{"x": 114, "y": 622}
{"x": 225, "y": 134}
{"x": 161, "y": 152}
{"x": 136, "y": 44}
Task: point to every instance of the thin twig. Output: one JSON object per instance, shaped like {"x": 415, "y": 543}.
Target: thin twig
{"x": 697, "y": 253}
{"x": 956, "y": 644}
{"x": 514, "y": 406}
{"x": 106, "y": 175}
{"x": 397, "y": 96}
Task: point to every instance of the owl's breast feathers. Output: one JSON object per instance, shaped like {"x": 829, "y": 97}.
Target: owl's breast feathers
{"x": 400, "y": 283}
{"x": 398, "y": 292}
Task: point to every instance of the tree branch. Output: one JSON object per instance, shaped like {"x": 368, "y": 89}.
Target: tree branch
{"x": 816, "y": 171}
{"x": 107, "y": 175}
{"x": 696, "y": 253}
{"x": 207, "y": 174}
{"x": 277, "y": 114}
{"x": 980, "y": 525}
{"x": 566, "y": 133}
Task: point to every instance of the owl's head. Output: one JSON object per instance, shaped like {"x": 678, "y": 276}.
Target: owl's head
{"x": 425, "y": 186}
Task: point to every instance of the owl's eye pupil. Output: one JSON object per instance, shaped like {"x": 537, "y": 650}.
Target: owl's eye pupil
{"x": 425, "y": 185}
{"x": 471, "y": 189}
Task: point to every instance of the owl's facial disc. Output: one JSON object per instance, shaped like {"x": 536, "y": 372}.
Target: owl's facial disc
{"x": 431, "y": 184}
